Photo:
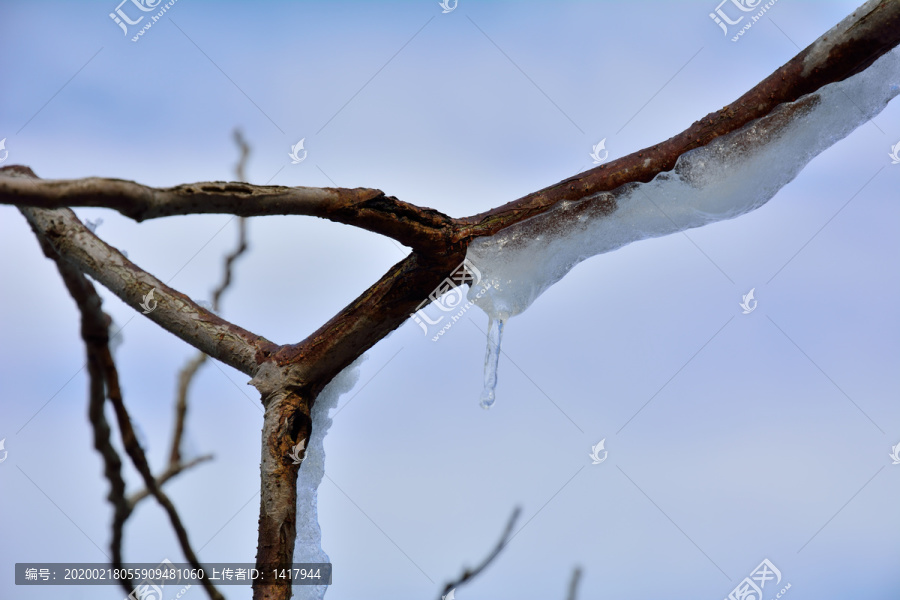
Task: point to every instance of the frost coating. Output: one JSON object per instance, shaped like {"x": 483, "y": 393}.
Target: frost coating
{"x": 734, "y": 174}
{"x": 308, "y": 548}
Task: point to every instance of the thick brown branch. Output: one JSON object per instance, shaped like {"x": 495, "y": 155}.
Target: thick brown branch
{"x": 171, "y": 309}
{"x": 285, "y": 424}
{"x": 104, "y": 382}
{"x": 419, "y": 228}
{"x": 846, "y": 49}
{"x": 291, "y": 377}
{"x": 368, "y": 319}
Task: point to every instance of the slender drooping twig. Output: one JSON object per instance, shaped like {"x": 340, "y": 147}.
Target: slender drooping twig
{"x": 190, "y": 369}
{"x": 573, "y": 584}
{"x": 139, "y": 459}
{"x": 95, "y": 333}
{"x": 469, "y": 574}
{"x": 104, "y": 383}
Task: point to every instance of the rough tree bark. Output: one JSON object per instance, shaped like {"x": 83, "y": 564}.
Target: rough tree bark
{"x": 289, "y": 377}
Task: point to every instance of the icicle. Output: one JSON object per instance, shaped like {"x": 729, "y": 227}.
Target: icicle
{"x": 491, "y": 360}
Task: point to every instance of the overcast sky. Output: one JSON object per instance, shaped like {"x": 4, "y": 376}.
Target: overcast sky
{"x": 731, "y": 437}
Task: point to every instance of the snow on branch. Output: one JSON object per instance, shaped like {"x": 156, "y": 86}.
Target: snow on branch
{"x": 846, "y": 49}
{"x": 732, "y": 175}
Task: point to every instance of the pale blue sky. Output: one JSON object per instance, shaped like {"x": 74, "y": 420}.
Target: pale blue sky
{"x": 746, "y": 448}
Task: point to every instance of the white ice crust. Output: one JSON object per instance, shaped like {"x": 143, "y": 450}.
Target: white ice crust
{"x": 308, "y": 548}
{"x": 732, "y": 175}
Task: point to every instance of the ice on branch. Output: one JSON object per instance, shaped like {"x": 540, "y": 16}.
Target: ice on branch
{"x": 308, "y": 548}
{"x": 733, "y": 175}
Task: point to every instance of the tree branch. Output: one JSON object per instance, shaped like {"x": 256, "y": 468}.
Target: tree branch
{"x": 419, "y": 228}
{"x": 104, "y": 383}
{"x": 139, "y": 459}
{"x": 95, "y": 333}
{"x": 367, "y": 320}
{"x": 290, "y": 377}
{"x": 469, "y": 574}
{"x": 173, "y": 470}
{"x": 190, "y": 369}
{"x": 845, "y": 50}
{"x": 285, "y": 423}
{"x": 175, "y": 312}
{"x": 573, "y": 584}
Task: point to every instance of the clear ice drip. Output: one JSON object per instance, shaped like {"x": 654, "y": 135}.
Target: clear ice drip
{"x": 491, "y": 360}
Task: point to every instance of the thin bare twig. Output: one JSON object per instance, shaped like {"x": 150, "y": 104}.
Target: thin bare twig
{"x": 105, "y": 384}
{"x": 186, "y": 376}
{"x": 171, "y": 471}
{"x": 139, "y": 459}
{"x": 469, "y": 574}
{"x": 95, "y": 333}
{"x": 240, "y": 169}
{"x": 573, "y": 584}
